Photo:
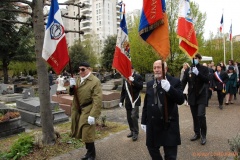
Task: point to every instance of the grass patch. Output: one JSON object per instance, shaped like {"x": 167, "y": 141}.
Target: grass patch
{"x": 64, "y": 144}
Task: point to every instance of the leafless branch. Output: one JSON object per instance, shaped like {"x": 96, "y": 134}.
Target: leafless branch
{"x": 12, "y": 21}
{"x": 21, "y": 1}
{"x": 74, "y": 31}
{"x": 15, "y": 10}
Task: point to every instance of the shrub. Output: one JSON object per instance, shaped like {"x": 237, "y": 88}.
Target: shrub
{"x": 20, "y": 148}
{"x": 235, "y": 146}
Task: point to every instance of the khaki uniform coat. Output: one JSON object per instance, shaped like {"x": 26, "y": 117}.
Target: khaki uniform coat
{"x": 89, "y": 91}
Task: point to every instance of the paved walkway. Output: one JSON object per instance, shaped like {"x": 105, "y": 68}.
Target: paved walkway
{"x": 222, "y": 125}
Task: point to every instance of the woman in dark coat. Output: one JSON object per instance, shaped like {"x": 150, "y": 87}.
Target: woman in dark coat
{"x": 231, "y": 86}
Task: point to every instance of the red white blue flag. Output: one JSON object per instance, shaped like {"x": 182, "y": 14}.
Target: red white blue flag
{"x": 153, "y": 27}
{"x": 230, "y": 33}
{"x": 55, "y": 50}
{"x": 221, "y": 24}
{"x": 122, "y": 60}
{"x": 185, "y": 31}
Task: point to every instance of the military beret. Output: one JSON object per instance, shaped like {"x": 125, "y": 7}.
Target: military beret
{"x": 230, "y": 68}
{"x": 85, "y": 64}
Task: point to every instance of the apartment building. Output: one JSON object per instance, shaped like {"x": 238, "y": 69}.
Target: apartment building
{"x": 102, "y": 20}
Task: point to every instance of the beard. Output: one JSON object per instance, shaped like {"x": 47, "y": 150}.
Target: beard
{"x": 157, "y": 75}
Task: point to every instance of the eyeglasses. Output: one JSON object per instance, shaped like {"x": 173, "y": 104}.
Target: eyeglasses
{"x": 82, "y": 69}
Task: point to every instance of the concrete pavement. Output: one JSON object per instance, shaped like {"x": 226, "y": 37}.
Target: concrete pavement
{"x": 222, "y": 125}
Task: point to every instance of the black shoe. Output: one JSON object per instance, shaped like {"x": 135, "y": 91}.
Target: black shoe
{"x": 203, "y": 140}
{"x": 91, "y": 158}
{"x": 135, "y": 137}
{"x": 85, "y": 157}
{"x": 220, "y": 106}
{"x": 195, "y": 137}
{"x": 130, "y": 135}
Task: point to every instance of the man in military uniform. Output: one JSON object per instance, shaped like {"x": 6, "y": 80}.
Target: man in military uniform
{"x": 86, "y": 107}
{"x": 197, "y": 78}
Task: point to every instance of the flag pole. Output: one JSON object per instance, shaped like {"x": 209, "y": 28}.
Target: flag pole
{"x": 224, "y": 50}
{"x": 231, "y": 41}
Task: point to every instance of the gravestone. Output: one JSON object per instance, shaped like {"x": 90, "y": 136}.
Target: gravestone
{"x": 29, "y": 109}
{"x": 148, "y": 77}
{"x": 110, "y": 99}
{"x": 65, "y": 102}
{"x": 27, "y": 93}
{"x": 10, "y": 125}
{"x": 6, "y": 88}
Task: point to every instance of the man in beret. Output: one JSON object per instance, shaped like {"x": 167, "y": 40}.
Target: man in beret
{"x": 86, "y": 107}
{"x": 197, "y": 77}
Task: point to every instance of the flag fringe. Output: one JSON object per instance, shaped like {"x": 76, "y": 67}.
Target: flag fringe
{"x": 151, "y": 27}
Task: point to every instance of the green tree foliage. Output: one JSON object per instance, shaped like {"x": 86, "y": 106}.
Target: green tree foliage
{"x": 90, "y": 46}
{"x": 108, "y": 52}
{"x": 77, "y": 55}
{"x": 16, "y": 44}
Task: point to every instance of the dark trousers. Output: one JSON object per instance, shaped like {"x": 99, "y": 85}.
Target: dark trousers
{"x": 132, "y": 118}
{"x": 170, "y": 153}
{"x": 220, "y": 96}
{"x": 91, "y": 152}
{"x": 199, "y": 119}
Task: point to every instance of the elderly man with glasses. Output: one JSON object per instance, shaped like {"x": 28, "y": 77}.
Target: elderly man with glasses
{"x": 86, "y": 107}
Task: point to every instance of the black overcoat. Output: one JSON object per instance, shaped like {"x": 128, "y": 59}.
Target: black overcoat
{"x": 157, "y": 134}
{"x": 197, "y": 84}
{"x": 134, "y": 89}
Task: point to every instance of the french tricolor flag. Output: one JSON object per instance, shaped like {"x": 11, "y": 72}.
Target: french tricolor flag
{"x": 121, "y": 60}
{"x": 221, "y": 24}
{"x": 55, "y": 45}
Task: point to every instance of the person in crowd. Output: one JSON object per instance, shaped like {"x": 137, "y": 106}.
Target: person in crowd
{"x": 160, "y": 118}
{"x": 218, "y": 84}
{"x": 231, "y": 85}
{"x": 131, "y": 96}
{"x": 197, "y": 77}
{"x": 213, "y": 67}
{"x": 185, "y": 91}
{"x": 86, "y": 108}
{"x": 50, "y": 78}
{"x": 237, "y": 72}
{"x": 223, "y": 66}
{"x": 210, "y": 73}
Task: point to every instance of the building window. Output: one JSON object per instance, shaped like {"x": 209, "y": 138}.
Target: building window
{"x": 99, "y": 23}
{"x": 73, "y": 13}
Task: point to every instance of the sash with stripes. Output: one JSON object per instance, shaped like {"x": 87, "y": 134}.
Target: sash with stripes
{"x": 220, "y": 80}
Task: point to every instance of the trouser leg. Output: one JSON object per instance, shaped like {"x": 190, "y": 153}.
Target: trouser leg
{"x": 129, "y": 119}
{"x": 220, "y": 95}
{"x": 194, "y": 111}
{"x": 135, "y": 117}
{"x": 155, "y": 153}
{"x": 202, "y": 120}
{"x": 91, "y": 151}
{"x": 170, "y": 152}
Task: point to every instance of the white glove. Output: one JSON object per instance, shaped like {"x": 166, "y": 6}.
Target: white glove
{"x": 72, "y": 81}
{"x": 165, "y": 85}
{"x": 131, "y": 78}
{"x": 91, "y": 120}
{"x": 143, "y": 126}
{"x": 195, "y": 70}
{"x": 120, "y": 105}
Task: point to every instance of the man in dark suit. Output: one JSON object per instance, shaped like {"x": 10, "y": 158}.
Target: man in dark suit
{"x": 197, "y": 78}
{"x": 131, "y": 94}
{"x": 160, "y": 118}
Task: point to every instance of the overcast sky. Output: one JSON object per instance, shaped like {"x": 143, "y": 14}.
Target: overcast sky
{"x": 214, "y": 10}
